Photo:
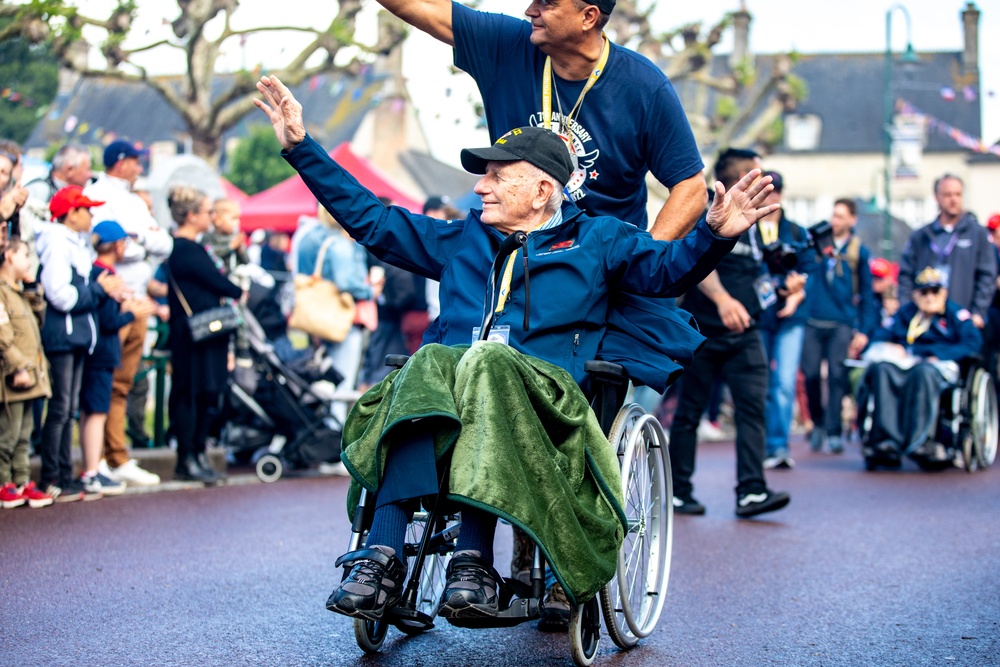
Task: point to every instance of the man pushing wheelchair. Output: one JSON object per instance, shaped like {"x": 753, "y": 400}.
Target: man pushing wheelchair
{"x": 504, "y": 420}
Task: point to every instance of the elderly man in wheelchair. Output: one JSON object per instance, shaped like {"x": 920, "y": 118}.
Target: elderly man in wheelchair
{"x": 926, "y": 352}
{"x": 503, "y": 425}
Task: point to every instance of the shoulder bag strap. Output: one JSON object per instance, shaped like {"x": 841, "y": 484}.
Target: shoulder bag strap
{"x": 180, "y": 294}
{"x": 318, "y": 271}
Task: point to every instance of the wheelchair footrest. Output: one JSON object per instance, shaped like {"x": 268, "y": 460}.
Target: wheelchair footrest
{"x": 519, "y": 611}
{"x": 402, "y": 615}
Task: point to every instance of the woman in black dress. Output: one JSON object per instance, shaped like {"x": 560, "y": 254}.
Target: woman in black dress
{"x": 199, "y": 369}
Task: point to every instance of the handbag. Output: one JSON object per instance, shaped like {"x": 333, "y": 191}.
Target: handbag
{"x": 321, "y": 309}
{"x": 212, "y": 323}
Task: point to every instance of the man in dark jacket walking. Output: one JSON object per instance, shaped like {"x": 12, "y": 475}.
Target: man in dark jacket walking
{"x": 957, "y": 244}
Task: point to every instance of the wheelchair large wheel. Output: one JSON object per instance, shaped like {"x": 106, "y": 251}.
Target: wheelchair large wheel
{"x": 585, "y": 632}
{"x": 984, "y": 415}
{"x": 370, "y": 634}
{"x": 432, "y": 579}
{"x": 633, "y": 600}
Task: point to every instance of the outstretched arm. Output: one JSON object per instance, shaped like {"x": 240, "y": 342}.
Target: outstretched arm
{"x": 431, "y": 16}
{"x": 736, "y": 211}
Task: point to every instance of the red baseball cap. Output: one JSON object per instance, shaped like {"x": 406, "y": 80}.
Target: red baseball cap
{"x": 69, "y": 198}
{"x": 881, "y": 267}
{"x": 994, "y": 221}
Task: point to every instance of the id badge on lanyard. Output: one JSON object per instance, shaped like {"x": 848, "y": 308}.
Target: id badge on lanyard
{"x": 763, "y": 286}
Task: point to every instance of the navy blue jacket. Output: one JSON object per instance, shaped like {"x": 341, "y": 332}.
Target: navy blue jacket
{"x": 830, "y": 293}
{"x": 77, "y": 329}
{"x": 572, "y": 267}
{"x": 950, "y": 337}
{"x": 969, "y": 256}
{"x": 107, "y": 353}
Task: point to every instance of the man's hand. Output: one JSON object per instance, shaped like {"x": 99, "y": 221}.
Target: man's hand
{"x": 978, "y": 321}
{"x": 733, "y": 314}
{"x": 163, "y": 312}
{"x": 734, "y": 212}
{"x": 12, "y": 201}
{"x": 22, "y": 379}
{"x": 283, "y": 110}
{"x": 794, "y": 282}
{"x": 792, "y": 303}
{"x": 857, "y": 346}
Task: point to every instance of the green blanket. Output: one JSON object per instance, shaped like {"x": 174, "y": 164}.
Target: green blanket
{"x": 524, "y": 445}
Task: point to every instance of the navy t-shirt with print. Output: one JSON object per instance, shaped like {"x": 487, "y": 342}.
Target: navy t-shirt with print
{"x": 630, "y": 121}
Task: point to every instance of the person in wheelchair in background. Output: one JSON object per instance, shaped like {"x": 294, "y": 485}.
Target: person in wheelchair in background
{"x": 522, "y": 440}
{"x": 914, "y": 359}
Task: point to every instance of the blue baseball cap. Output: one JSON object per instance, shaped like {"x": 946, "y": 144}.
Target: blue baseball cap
{"x": 108, "y": 231}
{"x": 119, "y": 150}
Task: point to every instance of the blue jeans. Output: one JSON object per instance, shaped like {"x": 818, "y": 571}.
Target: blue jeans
{"x": 784, "y": 350}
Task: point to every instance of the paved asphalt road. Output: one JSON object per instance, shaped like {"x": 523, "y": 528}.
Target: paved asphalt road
{"x": 861, "y": 569}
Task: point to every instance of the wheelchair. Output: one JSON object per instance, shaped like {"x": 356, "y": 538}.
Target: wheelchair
{"x": 631, "y": 603}
{"x": 967, "y": 419}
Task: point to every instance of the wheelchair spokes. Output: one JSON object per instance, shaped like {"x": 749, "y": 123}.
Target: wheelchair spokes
{"x": 633, "y": 600}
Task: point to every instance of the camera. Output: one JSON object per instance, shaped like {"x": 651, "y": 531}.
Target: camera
{"x": 781, "y": 258}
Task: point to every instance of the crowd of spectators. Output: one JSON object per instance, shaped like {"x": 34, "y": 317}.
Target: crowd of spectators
{"x": 86, "y": 270}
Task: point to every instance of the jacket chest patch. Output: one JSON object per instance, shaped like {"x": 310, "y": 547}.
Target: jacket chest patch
{"x": 562, "y": 246}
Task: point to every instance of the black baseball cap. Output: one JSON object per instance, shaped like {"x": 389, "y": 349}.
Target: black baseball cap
{"x": 543, "y": 148}
{"x": 776, "y": 180}
{"x": 606, "y": 6}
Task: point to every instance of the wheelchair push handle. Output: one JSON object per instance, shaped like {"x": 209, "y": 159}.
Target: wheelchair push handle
{"x": 507, "y": 246}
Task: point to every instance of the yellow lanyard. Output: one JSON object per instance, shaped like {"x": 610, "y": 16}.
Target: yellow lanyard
{"x": 918, "y": 327}
{"x": 547, "y": 79}
{"x": 768, "y": 231}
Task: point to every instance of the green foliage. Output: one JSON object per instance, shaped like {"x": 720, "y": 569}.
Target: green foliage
{"x": 29, "y": 79}
{"x": 256, "y": 164}
{"x": 726, "y": 107}
{"x": 774, "y": 133}
{"x": 798, "y": 87}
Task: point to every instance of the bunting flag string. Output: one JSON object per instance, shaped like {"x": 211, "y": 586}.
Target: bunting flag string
{"x": 963, "y": 139}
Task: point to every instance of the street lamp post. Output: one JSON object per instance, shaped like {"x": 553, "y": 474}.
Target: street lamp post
{"x": 888, "y": 105}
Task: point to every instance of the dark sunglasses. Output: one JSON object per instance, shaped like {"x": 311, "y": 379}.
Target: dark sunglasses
{"x": 924, "y": 291}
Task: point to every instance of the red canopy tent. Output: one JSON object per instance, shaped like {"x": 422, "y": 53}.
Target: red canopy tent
{"x": 233, "y": 192}
{"x": 279, "y": 208}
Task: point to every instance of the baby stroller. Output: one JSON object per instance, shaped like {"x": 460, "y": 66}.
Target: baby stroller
{"x": 278, "y": 415}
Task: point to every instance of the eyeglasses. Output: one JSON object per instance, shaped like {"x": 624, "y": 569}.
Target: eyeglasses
{"x": 924, "y": 291}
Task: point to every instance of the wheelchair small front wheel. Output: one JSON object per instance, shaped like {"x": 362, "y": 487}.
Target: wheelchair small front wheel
{"x": 585, "y": 632}
{"x": 269, "y": 468}
{"x": 370, "y": 634}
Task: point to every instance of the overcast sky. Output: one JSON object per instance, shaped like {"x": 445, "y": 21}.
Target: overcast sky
{"x": 442, "y": 99}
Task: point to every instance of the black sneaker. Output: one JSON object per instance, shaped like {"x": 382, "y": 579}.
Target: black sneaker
{"x": 374, "y": 583}
{"x": 688, "y": 505}
{"x": 752, "y": 504}
{"x": 472, "y": 590}
{"x": 74, "y": 490}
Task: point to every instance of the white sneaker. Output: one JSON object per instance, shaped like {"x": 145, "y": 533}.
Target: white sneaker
{"x": 130, "y": 473}
{"x": 709, "y": 432}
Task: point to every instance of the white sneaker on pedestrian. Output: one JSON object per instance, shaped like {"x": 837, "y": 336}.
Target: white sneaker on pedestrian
{"x": 772, "y": 462}
{"x": 130, "y": 473}
{"x": 709, "y": 432}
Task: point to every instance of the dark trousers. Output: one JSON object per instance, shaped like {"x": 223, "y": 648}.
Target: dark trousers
{"x": 191, "y": 416}
{"x": 135, "y": 412}
{"x": 66, "y": 374}
{"x": 740, "y": 360}
{"x": 906, "y": 407}
{"x": 831, "y": 344}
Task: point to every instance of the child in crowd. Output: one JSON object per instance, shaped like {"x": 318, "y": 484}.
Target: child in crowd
{"x": 69, "y": 331}
{"x": 226, "y": 240}
{"x": 24, "y": 374}
{"x": 109, "y": 240}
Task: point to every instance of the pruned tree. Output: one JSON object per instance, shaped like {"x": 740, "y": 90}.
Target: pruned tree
{"x": 206, "y": 115}
{"x": 728, "y": 102}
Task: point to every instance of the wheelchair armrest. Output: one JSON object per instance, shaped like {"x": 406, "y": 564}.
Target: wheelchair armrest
{"x": 396, "y": 360}
{"x": 606, "y": 371}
